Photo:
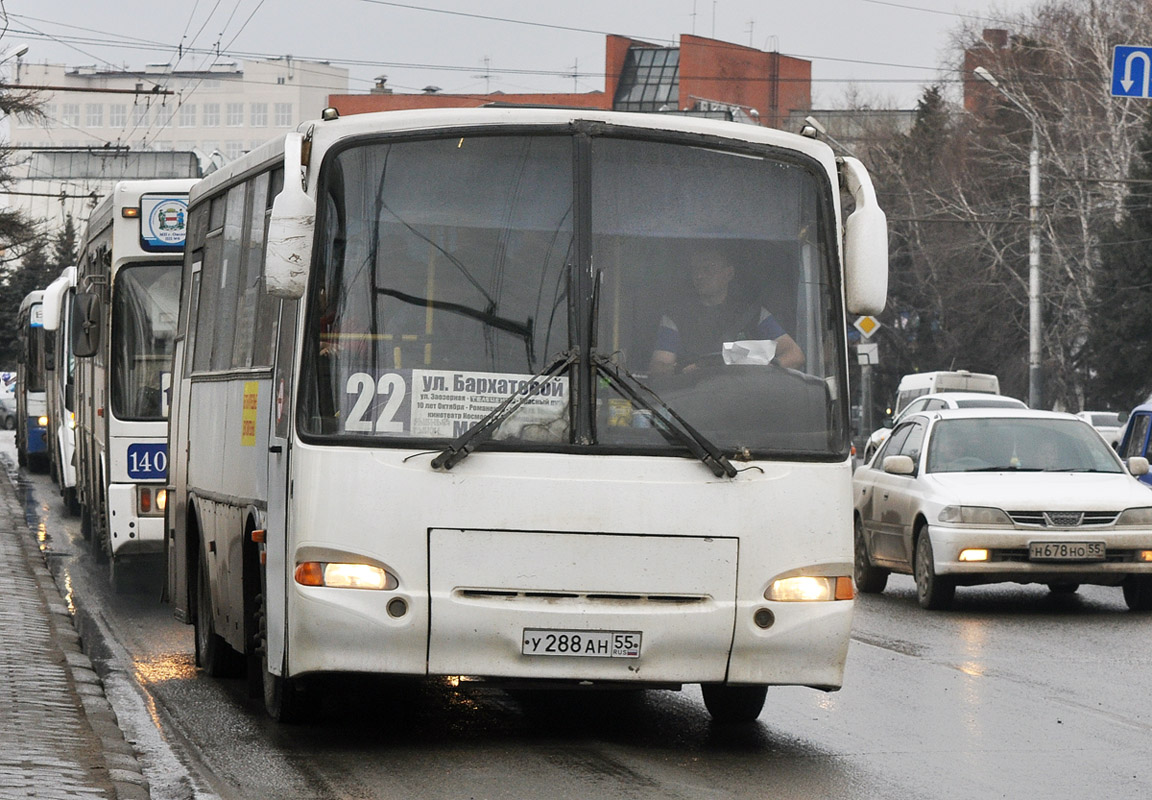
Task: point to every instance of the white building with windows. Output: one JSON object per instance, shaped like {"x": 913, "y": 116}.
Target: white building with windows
{"x": 102, "y": 125}
{"x": 230, "y": 108}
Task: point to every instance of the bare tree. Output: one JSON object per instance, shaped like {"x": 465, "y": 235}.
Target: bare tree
{"x": 957, "y": 194}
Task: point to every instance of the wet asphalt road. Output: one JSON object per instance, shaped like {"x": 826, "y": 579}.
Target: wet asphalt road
{"x": 1013, "y": 694}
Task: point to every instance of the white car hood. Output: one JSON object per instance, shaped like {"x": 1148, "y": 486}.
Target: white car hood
{"x": 1043, "y": 491}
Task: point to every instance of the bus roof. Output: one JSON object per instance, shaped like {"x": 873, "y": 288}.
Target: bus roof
{"x": 326, "y": 132}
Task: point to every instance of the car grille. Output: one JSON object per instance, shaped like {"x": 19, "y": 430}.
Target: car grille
{"x": 1064, "y": 519}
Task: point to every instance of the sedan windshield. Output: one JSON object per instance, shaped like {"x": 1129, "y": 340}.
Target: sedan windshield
{"x": 1017, "y": 444}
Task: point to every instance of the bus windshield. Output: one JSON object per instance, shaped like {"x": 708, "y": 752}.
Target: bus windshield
{"x": 144, "y": 307}
{"x": 35, "y": 351}
{"x": 444, "y": 281}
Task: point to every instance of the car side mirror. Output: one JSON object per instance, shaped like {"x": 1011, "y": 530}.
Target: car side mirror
{"x": 899, "y": 465}
{"x": 1138, "y": 465}
{"x": 86, "y": 315}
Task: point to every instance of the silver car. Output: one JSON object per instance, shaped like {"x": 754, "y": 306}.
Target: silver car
{"x": 8, "y": 411}
{"x": 974, "y": 496}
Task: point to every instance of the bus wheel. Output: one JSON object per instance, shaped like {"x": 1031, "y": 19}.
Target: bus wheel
{"x": 99, "y": 538}
{"x": 733, "y": 704}
{"x": 119, "y": 575}
{"x": 287, "y": 700}
{"x": 71, "y": 503}
{"x": 213, "y": 654}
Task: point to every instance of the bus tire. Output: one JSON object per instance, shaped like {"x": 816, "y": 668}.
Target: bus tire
{"x": 71, "y": 502}
{"x": 286, "y": 700}
{"x": 119, "y": 575}
{"x": 213, "y": 654}
{"x": 85, "y": 522}
{"x": 730, "y": 705}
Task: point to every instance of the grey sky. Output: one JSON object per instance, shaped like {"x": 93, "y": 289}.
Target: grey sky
{"x": 889, "y": 49}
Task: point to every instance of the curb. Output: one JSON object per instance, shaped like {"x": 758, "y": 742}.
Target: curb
{"x": 120, "y": 758}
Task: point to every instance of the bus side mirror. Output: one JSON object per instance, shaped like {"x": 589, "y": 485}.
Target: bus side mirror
{"x": 290, "y": 229}
{"x": 85, "y": 324}
{"x": 865, "y": 244}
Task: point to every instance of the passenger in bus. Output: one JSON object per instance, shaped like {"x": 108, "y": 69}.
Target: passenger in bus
{"x": 694, "y": 334}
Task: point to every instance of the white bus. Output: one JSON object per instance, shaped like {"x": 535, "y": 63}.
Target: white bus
{"x": 60, "y": 386}
{"x": 31, "y": 407}
{"x": 124, "y": 321}
{"x": 428, "y": 417}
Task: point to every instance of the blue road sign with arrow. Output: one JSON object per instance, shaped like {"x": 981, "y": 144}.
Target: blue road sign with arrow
{"x": 1131, "y": 71}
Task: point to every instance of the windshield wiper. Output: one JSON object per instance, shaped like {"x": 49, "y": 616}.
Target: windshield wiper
{"x": 633, "y": 388}
{"x": 466, "y": 442}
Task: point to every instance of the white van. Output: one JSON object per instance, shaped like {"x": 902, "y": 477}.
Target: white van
{"x": 922, "y": 383}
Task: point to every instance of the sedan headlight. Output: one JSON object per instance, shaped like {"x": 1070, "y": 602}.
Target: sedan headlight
{"x": 1141, "y": 517}
{"x": 974, "y": 515}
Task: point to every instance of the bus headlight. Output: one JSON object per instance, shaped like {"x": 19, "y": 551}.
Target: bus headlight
{"x": 42, "y": 422}
{"x": 809, "y": 588}
{"x": 344, "y": 576}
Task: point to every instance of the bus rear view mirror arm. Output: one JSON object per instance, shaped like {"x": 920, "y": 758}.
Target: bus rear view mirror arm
{"x": 86, "y": 316}
{"x": 865, "y": 243}
{"x": 290, "y": 229}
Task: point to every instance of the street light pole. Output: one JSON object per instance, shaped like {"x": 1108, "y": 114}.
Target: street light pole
{"x": 1034, "y": 309}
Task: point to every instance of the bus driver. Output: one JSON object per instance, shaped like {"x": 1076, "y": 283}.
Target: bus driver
{"x": 700, "y": 329}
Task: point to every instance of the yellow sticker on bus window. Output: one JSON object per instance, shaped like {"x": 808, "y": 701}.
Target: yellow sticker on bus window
{"x": 248, "y": 417}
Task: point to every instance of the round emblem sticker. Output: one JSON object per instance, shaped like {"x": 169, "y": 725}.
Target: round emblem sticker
{"x": 167, "y": 221}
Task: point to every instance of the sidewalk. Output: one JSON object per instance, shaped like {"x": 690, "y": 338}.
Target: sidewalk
{"x": 59, "y": 739}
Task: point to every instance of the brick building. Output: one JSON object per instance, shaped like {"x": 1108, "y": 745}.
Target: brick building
{"x": 699, "y": 76}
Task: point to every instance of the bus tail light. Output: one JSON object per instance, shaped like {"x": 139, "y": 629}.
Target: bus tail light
{"x": 151, "y": 500}
{"x": 809, "y": 588}
{"x": 344, "y": 576}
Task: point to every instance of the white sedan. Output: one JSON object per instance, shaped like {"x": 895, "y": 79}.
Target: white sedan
{"x": 931, "y": 402}
{"x": 974, "y": 496}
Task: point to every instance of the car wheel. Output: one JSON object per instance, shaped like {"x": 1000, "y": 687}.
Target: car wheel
{"x": 933, "y": 591}
{"x": 1063, "y": 588}
{"x": 869, "y": 579}
{"x": 1138, "y": 592}
{"x": 733, "y": 704}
